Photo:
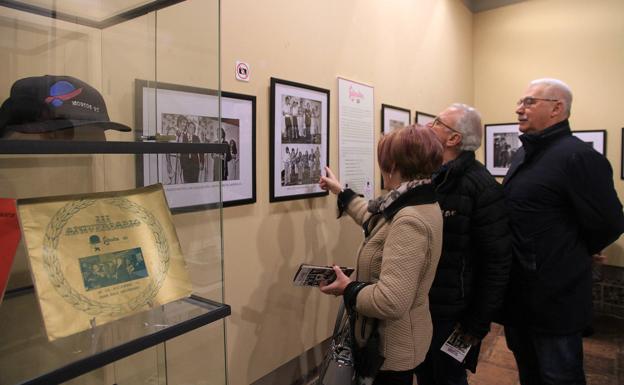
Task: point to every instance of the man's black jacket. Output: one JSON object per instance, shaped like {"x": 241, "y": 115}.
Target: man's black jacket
{"x": 473, "y": 271}
{"x": 563, "y": 208}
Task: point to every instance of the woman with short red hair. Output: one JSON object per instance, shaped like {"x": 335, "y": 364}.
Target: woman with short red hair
{"x": 388, "y": 301}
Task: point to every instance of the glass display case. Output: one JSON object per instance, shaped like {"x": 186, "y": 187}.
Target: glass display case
{"x": 82, "y": 112}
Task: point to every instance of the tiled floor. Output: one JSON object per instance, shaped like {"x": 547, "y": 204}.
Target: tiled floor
{"x": 604, "y": 356}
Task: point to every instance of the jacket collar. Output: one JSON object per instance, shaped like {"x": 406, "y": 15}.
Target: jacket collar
{"x": 533, "y": 143}
{"x": 457, "y": 166}
{"x": 420, "y": 195}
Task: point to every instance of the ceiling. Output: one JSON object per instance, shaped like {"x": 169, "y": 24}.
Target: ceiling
{"x": 485, "y": 5}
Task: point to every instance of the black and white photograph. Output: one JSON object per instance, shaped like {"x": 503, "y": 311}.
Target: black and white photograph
{"x": 505, "y": 146}
{"x": 299, "y": 139}
{"x": 184, "y": 114}
{"x": 199, "y": 168}
{"x": 301, "y": 164}
{"x": 595, "y": 138}
{"x": 423, "y": 118}
{"x": 393, "y": 117}
{"x": 302, "y": 120}
{"x": 501, "y": 143}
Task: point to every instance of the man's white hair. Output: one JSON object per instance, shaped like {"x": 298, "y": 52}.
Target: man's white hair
{"x": 469, "y": 125}
{"x": 556, "y": 89}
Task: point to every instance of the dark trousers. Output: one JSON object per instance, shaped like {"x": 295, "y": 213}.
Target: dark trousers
{"x": 389, "y": 377}
{"x": 545, "y": 359}
{"x": 439, "y": 368}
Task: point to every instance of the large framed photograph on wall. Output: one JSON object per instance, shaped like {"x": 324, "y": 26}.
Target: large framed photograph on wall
{"x": 394, "y": 117}
{"x": 299, "y": 140}
{"x": 595, "y": 138}
{"x": 186, "y": 114}
{"x": 423, "y": 118}
{"x": 501, "y": 143}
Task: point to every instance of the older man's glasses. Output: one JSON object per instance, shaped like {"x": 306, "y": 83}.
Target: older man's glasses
{"x": 530, "y": 100}
{"x": 437, "y": 120}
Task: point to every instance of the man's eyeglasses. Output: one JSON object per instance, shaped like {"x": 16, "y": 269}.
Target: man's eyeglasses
{"x": 530, "y": 100}
{"x": 438, "y": 120}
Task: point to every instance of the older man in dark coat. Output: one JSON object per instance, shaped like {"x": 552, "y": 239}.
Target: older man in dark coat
{"x": 563, "y": 208}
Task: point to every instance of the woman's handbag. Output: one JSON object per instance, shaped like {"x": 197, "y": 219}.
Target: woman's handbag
{"x": 337, "y": 366}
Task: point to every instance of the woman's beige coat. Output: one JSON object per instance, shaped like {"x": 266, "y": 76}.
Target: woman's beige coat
{"x": 399, "y": 258}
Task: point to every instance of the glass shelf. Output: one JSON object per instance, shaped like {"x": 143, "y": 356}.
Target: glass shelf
{"x": 35, "y": 360}
{"x": 80, "y": 147}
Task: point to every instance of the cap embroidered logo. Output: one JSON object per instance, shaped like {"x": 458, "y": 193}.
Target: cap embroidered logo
{"x": 62, "y": 91}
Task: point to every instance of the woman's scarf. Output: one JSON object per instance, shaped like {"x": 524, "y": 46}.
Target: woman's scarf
{"x": 380, "y": 204}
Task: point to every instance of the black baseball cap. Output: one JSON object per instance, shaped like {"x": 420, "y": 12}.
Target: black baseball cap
{"x": 51, "y": 103}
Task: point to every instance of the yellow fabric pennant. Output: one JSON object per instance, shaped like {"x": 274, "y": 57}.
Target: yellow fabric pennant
{"x": 99, "y": 257}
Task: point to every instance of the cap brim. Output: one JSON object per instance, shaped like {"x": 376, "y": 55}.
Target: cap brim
{"x": 62, "y": 124}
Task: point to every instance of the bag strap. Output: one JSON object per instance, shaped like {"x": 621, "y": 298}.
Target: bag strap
{"x": 339, "y": 318}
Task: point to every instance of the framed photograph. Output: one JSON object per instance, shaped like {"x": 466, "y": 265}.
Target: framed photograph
{"x": 191, "y": 115}
{"x": 423, "y": 118}
{"x": 299, "y": 143}
{"x": 394, "y": 117}
{"x": 501, "y": 143}
{"x": 595, "y": 138}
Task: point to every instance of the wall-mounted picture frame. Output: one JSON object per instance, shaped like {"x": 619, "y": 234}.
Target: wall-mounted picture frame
{"x": 501, "y": 143}
{"x": 423, "y": 118}
{"x": 595, "y": 138}
{"x": 191, "y": 115}
{"x": 394, "y": 117}
{"x": 299, "y": 140}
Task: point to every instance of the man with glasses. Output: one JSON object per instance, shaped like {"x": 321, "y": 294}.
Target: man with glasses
{"x": 562, "y": 208}
{"x": 474, "y": 267}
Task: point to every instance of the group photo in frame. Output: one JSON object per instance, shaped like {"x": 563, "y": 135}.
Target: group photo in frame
{"x": 423, "y": 118}
{"x": 187, "y": 114}
{"x": 502, "y": 140}
{"x": 299, "y": 140}
{"x": 595, "y": 138}
{"x": 393, "y": 117}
